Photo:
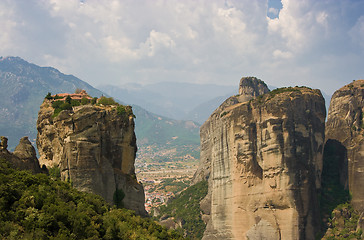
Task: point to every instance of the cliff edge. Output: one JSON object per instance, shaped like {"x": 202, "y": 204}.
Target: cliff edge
{"x": 94, "y": 147}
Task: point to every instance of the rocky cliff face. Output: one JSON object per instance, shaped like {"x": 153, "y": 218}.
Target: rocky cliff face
{"x": 345, "y": 128}
{"x": 24, "y": 156}
{"x": 264, "y": 162}
{"x": 249, "y": 87}
{"x": 95, "y": 148}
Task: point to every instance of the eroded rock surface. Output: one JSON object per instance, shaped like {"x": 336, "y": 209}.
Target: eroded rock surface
{"x": 249, "y": 87}
{"x": 345, "y": 127}
{"x": 95, "y": 148}
{"x": 24, "y": 156}
{"x": 264, "y": 162}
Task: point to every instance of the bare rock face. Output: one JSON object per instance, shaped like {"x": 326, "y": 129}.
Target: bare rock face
{"x": 264, "y": 162}
{"x": 251, "y": 87}
{"x": 95, "y": 148}
{"x": 345, "y": 127}
{"x": 24, "y": 156}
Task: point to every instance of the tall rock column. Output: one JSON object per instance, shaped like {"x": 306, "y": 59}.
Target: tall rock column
{"x": 95, "y": 148}
{"x": 345, "y": 127}
{"x": 265, "y": 163}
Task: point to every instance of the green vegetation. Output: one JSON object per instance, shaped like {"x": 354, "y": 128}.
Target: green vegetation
{"x": 59, "y": 106}
{"x": 38, "y": 207}
{"x": 75, "y": 103}
{"x": 186, "y": 207}
{"x": 68, "y": 99}
{"x": 93, "y": 100}
{"x": 107, "y": 101}
{"x": 277, "y": 91}
{"x": 118, "y": 198}
{"x": 49, "y": 96}
{"x": 343, "y": 223}
{"x": 85, "y": 101}
{"x": 125, "y": 110}
{"x": 55, "y": 173}
{"x": 69, "y": 103}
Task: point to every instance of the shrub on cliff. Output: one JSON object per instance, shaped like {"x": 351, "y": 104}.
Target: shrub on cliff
{"x": 75, "y": 103}
{"x": 85, "y": 101}
{"x": 38, "y": 207}
{"x": 107, "y": 101}
{"x": 59, "y": 106}
{"x": 49, "y": 96}
{"x": 93, "y": 100}
{"x": 125, "y": 111}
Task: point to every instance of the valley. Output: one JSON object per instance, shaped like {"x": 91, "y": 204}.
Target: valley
{"x": 163, "y": 179}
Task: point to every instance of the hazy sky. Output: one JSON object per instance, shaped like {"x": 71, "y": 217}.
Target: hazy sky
{"x": 317, "y": 43}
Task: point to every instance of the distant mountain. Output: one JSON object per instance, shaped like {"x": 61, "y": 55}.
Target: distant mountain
{"x": 171, "y": 99}
{"x": 203, "y": 111}
{"x": 24, "y": 86}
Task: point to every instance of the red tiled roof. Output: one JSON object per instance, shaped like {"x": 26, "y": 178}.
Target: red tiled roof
{"x": 74, "y": 96}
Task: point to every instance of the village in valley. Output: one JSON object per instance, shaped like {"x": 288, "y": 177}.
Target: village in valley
{"x": 163, "y": 180}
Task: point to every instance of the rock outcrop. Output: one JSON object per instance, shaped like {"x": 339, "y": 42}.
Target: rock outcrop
{"x": 95, "y": 148}
{"x": 249, "y": 88}
{"x": 263, "y": 160}
{"x": 345, "y": 128}
{"x": 24, "y": 156}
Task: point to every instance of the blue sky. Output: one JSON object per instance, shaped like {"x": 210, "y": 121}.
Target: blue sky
{"x": 285, "y": 43}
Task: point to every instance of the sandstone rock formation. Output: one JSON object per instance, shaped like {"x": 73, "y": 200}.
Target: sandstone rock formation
{"x": 249, "y": 88}
{"x": 95, "y": 148}
{"x": 24, "y": 156}
{"x": 264, "y": 162}
{"x": 345, "y": 128}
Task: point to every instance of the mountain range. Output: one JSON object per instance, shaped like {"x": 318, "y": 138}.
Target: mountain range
{"x": 182, "y": 101}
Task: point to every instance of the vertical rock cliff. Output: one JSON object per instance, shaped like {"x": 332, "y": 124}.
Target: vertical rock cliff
{"x": 95, "y": 148}
{"x": 345, "y": 131}
{"x": 263, "y": 160}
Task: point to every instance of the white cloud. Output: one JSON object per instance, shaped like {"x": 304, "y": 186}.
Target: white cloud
{"x": 197, "y": 41}
{"x": 158, "y": 41}
{"x": 281, "y": 54}
{"x": 273, "y": 11}
{"x": 357, "y": 32}
{"x": 321, "y": 18}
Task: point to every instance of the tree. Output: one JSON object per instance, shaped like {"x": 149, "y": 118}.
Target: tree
{"x": 78, "y": 90}
{"x": 94, "y": 101}
{"x": 68, "y": 99}
{"x": 49, "y": 96}
{"x": 85, "y": 101}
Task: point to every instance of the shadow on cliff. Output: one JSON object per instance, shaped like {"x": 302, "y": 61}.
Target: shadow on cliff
{"x": 334, "y": 180}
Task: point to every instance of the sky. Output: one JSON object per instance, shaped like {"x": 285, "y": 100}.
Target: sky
{"x": 315, "y": 43}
